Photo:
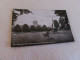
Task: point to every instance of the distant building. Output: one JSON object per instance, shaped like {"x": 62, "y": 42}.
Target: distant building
{"x": 35, "y": 23}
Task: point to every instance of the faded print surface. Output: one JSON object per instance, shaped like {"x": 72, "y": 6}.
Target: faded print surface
{"x": 34, "y": 27}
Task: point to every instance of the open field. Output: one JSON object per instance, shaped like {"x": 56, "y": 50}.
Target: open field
{"x": 33, "y": 38}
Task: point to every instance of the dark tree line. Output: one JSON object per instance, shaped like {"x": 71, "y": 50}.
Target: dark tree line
{"x": 58, "y": 26}
{"x": 63, "y": 23}
{"x": 26, "y": 28}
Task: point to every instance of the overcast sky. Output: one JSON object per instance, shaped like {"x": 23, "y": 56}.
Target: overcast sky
{"x": 43, "y": 17}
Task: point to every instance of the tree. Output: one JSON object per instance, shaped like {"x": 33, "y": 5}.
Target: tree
{"x": 49, "y": 28}
{"x": 25, "y": 28}
{"x": 44, "y": 28}
{"x": 62, "y": 23}
{"x": 38, "y": 28}
{"x": 23, "y": 11}
{"x": 17, "y": 28}
{"x": 67, "y": 27}
{"x": 56, "y": 24}
{"x": 15, "y": 15}
{"x": 62, "y": 13}
{"x": 32, "y": 28}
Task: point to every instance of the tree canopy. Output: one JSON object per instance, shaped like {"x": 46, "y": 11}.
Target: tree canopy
{"x": 44, "y": 28}
{"x": 17, "y": 28}
{"x": 25, "y": 28}
{"x": 32, "y": 28}
{"x": 62, "y": 13}
{"x": 56, "y": 24}
{"x": 15, "y": 15}
{"x": 38, "y": 28}
{"x": 64, "y": 22}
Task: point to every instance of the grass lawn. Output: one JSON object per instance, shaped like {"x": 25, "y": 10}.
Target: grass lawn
{"x": 33, "y": 38}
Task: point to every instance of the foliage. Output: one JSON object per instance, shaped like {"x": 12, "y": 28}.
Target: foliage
{"x": 15, "y": 15}
{"x": 23, "y": 11}
{"x": 44, "y": 28}
{"x": 25, "y": 28}
{"x": 64, "y": 23}
{"x": 38, "y": 28}
{"x": 56, "y": 24}
{"x": 17, "y": 28}
{"x": 67, "y": 27}
{"x": 32, "y": 28}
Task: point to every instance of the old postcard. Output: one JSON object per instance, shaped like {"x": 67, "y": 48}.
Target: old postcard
{"x": 37, "y": 27}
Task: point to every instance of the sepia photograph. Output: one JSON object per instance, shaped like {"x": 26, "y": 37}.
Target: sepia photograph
{"x": 39, "y": 27}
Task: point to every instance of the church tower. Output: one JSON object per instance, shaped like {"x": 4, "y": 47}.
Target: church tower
{"x": 35, "y": 23}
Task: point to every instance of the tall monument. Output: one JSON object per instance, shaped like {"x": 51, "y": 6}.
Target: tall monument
{"x": 35, "y": 23}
